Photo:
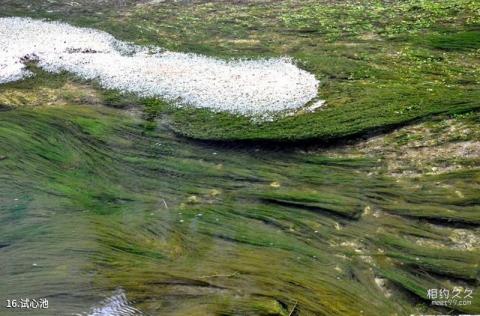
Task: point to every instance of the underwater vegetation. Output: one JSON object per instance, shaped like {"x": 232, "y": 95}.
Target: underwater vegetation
{"x": 106, "y": 206}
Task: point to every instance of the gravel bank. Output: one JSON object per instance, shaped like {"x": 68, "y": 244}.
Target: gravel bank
{"x": 247, "y": 87}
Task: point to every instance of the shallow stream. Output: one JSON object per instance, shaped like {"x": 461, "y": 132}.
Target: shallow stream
{"x": 98, "y": 213}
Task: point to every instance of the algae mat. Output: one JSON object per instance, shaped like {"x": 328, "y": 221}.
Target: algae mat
{"x": 106, "y": 210}
{"x": 101, "y": 213}
{"x": 379, "y": 63}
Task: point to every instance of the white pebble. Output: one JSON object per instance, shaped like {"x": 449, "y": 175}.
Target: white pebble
{"x": 256, "y": 88}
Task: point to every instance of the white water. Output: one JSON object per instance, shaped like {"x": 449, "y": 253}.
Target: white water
{"x": 247, "y": 87}
{"x": 116, "y": 305}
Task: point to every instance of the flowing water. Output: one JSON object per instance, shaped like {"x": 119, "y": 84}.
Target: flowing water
{"x": 105, "y": 211}
{"x": 102, "y": 216}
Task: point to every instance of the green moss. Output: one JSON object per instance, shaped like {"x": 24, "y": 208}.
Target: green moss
{"x": 380, "y": 64}
{"x": 460, "y": 41}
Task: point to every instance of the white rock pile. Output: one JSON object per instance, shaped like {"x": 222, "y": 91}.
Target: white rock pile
{"x": 248, "y": 87}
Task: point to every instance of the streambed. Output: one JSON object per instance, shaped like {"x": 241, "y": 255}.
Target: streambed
{"x": 106, "y": 211}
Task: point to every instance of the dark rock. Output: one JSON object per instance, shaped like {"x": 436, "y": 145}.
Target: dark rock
{"x": 29, "y": 58}
{"x": 81, "y": 50}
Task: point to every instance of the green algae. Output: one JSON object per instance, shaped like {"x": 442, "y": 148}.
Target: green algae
{"x": 95, "y": 198}
{"x": 380, "y": 64}
{"x": 91, "y": 201}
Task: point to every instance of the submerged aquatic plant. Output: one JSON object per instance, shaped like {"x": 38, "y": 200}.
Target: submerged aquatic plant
{"x": 106, "y": 210}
